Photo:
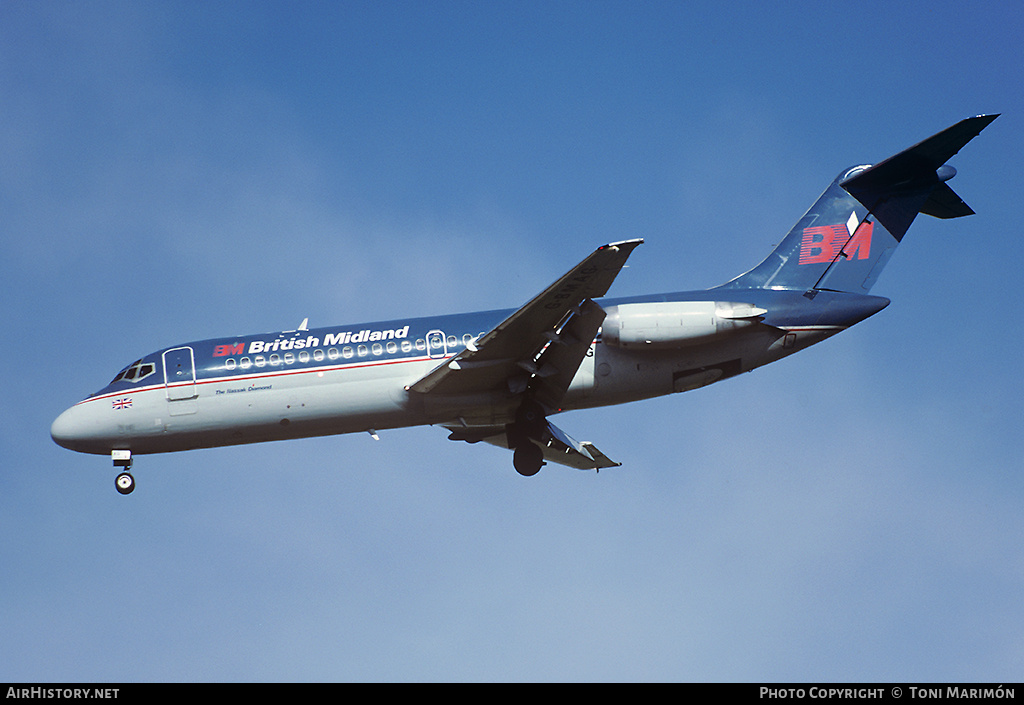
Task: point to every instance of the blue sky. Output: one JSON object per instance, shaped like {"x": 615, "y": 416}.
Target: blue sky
{"x": 178, "y": 171}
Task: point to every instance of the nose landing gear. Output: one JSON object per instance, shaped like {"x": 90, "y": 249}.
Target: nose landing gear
{"x": 124, "y": 482}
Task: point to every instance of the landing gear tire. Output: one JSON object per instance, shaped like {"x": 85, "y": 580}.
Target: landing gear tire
{"x": 125, "y": 483}
{"x": 528, "y": 459}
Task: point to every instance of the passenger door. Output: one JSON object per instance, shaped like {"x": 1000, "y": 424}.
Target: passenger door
{"x": 180, "y": 374}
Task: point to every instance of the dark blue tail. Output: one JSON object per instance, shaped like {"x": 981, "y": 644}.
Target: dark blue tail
{"x": 846, "y": 238}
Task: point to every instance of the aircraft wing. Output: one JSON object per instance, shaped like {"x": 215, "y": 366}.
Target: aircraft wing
{"x": 559, "y": 447}
{"x": 541, "y": 345}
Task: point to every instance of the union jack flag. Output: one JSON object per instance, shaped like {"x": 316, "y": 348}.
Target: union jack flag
{"x": 123, "y": 403}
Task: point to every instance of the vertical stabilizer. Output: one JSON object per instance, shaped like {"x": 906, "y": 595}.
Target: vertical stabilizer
{"x": 846, "y": 238}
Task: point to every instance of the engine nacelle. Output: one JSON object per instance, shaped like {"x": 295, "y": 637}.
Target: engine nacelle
{"x": 674, "y": 324}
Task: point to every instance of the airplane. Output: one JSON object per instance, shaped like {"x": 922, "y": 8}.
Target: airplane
{"x": 499, "y": 376}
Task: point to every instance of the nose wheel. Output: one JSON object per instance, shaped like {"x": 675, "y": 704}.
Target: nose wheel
{"x": 124, "y": 482}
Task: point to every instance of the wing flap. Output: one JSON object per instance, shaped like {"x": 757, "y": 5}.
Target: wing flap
{"x": 562, "y": 357}
{"x": 558, "y": 446}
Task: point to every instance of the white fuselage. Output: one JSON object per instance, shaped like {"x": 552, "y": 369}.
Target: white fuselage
{"x": 352, "y": 389}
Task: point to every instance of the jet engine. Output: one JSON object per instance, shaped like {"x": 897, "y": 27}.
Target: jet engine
{"x": 674, "y": 324}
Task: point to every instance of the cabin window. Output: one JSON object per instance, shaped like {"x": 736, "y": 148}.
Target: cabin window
{"x": 392, "y": 348}
{"x": 421, "y": 344}
{"x": 318, "y": 355}
{"x": 377, "y": 349}
{"x": 406, "y": 346}
{"x": 230, "y": 364}
{"x": 289, "y": 358}
{"x": 275, "y": 359}
{"x": 303, "y": 356}
{"x": 362, "y": 350}
{"x": 333, "y": 353}
{"x": 245, "y": 362}
{"x": 347, "y": 352}
{"x": 260, "y": 361}
{"x": 452, "y": 341}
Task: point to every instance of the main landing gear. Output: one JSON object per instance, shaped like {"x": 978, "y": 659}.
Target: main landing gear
{"x": 528, "y": 458}
{"x": 124, "y": 482}
{"x": 530, "y": 423}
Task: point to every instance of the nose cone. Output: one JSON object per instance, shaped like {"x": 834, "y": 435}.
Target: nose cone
{"x": 75, "y": 429}
{"x": 66, "y": 429}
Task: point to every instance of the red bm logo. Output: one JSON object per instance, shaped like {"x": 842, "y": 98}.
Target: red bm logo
{"x": 823, "y": 243}
{"x": 225, "y": 350}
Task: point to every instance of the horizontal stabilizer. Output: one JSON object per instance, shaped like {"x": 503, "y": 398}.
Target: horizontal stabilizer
{"x": 920, "y": 162}
{"x": 944, "y": 203}
{"x": 898, "y": 188}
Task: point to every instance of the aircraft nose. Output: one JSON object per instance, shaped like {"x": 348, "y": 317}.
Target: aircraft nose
{"x": 74, "y": 430}
{"x": 65, "y": 429}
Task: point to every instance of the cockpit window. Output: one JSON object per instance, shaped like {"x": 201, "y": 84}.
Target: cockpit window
{"x": 134, "y": 372}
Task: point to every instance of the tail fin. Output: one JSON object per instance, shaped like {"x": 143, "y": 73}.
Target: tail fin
{"x": 846, "y": 238}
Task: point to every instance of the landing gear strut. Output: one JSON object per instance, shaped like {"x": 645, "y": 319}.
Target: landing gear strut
{"x": 124, "y": 483}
